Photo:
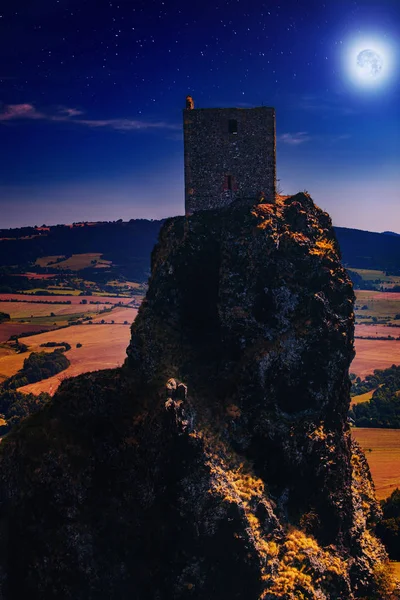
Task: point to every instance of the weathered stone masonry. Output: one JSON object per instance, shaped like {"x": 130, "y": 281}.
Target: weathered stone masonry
{"x": 230, "y": 154}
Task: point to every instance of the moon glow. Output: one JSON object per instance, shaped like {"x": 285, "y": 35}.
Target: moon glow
{"x": 368, "y": 62}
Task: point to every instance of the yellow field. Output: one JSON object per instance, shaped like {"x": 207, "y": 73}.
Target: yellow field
{"x": 103, "y": 347}
{"x": 383, "y": 459}
{"x": 362, "y": 397}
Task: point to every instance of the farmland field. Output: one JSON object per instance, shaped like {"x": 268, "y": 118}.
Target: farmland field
{"x": 379, "y": 304}
{"x": 25, "y": 310}
{"x": 8, "y": 329}
{"x": 362, "y": 397}
{"x": 45, "y": 260}
{"x": 65, "y": 298}
{"x": 382, "y": 449}
{"x": 75, "y": 262}
{"x": 118, "y": 315}
{"x": 103, "y": 347}
{"x": 371, "y": 275}
{"x": 378, "y": 330}
{"x": 374, "y": 354}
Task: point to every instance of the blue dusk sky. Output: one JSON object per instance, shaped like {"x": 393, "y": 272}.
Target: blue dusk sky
{"x": 92, "y": 91}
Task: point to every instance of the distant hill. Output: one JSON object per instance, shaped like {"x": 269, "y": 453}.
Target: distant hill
{"x": 369, "y": 250}
{"x": 391, "y": 233}
{"x": 128, "y": 245}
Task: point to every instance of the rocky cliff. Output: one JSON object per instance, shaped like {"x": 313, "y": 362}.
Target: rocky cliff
{"x": 217, "y": 463}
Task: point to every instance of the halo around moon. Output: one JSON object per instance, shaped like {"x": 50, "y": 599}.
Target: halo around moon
{"x": 369, "y": 62}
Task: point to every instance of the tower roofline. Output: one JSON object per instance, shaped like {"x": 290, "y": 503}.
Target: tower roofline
{"x": 233, "y": 108}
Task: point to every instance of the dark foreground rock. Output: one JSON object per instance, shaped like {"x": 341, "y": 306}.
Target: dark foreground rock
{"x": 217, "y": 463}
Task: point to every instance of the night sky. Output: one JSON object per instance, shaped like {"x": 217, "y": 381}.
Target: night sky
{"x": 91, "y": 94}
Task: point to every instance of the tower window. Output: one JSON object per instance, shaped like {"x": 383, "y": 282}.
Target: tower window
{"x": 230, "y": 184}
{"x": 233, "y": 126}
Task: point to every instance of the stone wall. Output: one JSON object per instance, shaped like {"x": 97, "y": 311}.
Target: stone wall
{"x": 230, "y": 154}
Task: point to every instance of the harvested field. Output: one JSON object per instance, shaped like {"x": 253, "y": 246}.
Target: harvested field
{"x": 103, "y": 347}
{"x": 26, "y": 310}
{"x": 377, "y": 331}
{"x": 365, "y": 295}
{"x": 64, "y": 298}
{"x": 374, "y": 354}
{"x": 382, "y": 449}
{"x": 118, "y": 315}
{"x": 45, "y": 261}
{"x": 12, "y": 362}
{"x": 9, "y": 329}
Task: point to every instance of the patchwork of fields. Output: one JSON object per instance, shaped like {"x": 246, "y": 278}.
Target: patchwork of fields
{"x": 377, "y": 316}
{"x": 104, "y": 340}
{"x": 104, "y": 345}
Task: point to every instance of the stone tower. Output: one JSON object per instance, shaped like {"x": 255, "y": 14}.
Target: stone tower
{"x": 230, "y": 154}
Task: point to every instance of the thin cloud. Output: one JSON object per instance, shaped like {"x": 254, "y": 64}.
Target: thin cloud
{"x": 20, "y": 111}
{"x": 125, "y": 124}
{"x": 314, "y": 103}
{"x": 294, "y": 139}
{"x": 71, "y": 112}
{"x": 14, "y": 112}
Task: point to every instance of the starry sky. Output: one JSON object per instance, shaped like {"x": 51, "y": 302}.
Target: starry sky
{"x": 92, "y": 91}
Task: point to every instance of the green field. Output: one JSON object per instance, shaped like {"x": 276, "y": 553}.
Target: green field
{"x": 382, "y": 305}
{"x": 373, "y": 276}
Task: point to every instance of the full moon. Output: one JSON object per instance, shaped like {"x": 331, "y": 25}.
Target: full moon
{"x": 369, "y": 61}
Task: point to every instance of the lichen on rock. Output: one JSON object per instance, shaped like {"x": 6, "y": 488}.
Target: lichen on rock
{"x": 218, "y": 462}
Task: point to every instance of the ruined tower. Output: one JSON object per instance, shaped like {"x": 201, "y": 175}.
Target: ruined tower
{"x": 230, "y": 155}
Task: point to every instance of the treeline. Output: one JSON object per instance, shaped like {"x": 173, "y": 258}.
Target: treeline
{"x": 65, "y": 345}
{"x": 15, "y": 406}
{"x": 38, "y": 366}
{"x": 383, "y": 410}
{"x": 389, "y": 528}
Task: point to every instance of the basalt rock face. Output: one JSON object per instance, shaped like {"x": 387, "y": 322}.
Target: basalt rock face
{"x": 217, "y": 463}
